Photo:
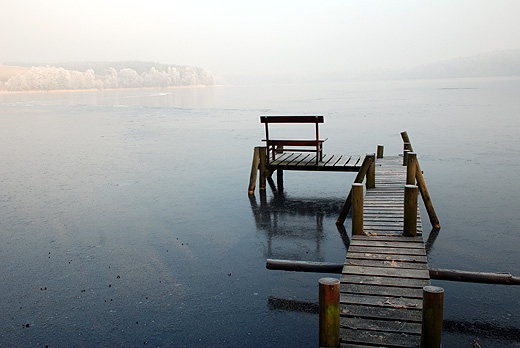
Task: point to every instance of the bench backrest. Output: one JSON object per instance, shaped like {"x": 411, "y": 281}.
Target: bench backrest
{"x": 291, "y": 119}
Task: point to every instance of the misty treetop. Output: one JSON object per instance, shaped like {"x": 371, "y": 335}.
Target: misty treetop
{"x": 102, "y": 75}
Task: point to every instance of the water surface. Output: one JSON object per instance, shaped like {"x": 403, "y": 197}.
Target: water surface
{"x": 125, "y": 218}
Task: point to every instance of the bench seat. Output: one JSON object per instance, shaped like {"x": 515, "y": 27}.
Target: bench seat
{"x": 275, "y": 146}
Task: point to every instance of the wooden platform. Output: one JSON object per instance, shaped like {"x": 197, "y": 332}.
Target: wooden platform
{"x": 307, "y": 161}
{"x": 384, "y": 272}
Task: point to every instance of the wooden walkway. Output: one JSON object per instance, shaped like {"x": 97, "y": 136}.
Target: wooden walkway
{"x": 307, "y": 161}
{"x": 384, "y": 272}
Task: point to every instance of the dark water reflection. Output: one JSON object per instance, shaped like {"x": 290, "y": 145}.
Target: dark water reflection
{"x": 125, "y": 218}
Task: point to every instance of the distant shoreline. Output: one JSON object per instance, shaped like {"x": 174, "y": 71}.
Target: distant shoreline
{"x": 105, "y": 89}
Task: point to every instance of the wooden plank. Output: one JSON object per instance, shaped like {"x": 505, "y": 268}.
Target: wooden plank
{"x": 386, "y": 281}
{"x": 384, "y": 244}
{"x": 364, "y": 289}
{"x": 382, "y": 339}
{"x": 382, "y": 301}
{"x": 388, "y": 313}
{"x": 291, "y": 119}
{"x": 363, "y": 249}
{"x": 343, "y": 161}
{"x": 386, "y": 272}
{"x": 408, "y": 239}
{"x": 385, "y": 263}
{"x": 387, "y": 257}
{"x": 375, "y": 325}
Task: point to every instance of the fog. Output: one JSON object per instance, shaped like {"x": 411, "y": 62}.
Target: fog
{"x": 240, "y": 40}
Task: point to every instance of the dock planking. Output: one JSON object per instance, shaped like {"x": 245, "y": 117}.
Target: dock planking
{"x": 384, "y": 272}
{"x": 307, "y": 162}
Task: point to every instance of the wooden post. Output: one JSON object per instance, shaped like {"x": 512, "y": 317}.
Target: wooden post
{"x": 329, "y": 312}
{"x": 404, "y": 136}
{"x": 263, "y": 171}
{"x": 359, "y": 179}
{"x": 371, "y": 173}
{"x": 357, "y": 209}
{"x": 279, "y": 179}
{"x": 405, "y": 157}
{"x": 380, "y": 150}
{"x": 411, "y": 168}
{"x": 410, "y": 211}
{"x": 433, "y": 307}
{"x": 254, "y": 171}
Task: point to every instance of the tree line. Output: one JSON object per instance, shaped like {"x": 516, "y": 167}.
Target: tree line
{"x": 66, "y": 76}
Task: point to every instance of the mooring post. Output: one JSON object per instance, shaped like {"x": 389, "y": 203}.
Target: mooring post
{"x": 380, "y": 150}
{"x": 371, "y": 173}
{"x": 411, "y": 168}
{"x": 367, "y": 161}
{"x": 263, "y": 171}
{"x": 254, "y": 171}
{"x": 329, "y": 312}
{"x": 357, "y": 209}
{"x": 410, "y": 210}
{"x": 405, "y": 157}
{"x": 432, "y": 313}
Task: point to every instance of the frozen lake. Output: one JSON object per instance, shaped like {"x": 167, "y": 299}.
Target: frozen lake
{"x": 125, "y": 218}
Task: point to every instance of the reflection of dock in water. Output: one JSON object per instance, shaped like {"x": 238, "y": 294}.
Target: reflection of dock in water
{"x": 294, "y": 225}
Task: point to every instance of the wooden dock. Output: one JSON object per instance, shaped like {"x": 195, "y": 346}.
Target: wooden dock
{"x": 381, "y": 290}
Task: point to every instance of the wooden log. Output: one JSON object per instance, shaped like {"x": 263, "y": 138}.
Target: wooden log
{"x": 433, "y": 305}
{"x": 410, "y": 211}
{"x": 438, "y": 274}
{"x": 263, "y": 170}
{"x": 359, "y": 179}
{"x": 411, "y": 168}
{"x": 380, "y": 151}
{"x": 371, "y": 172}
{"x": 303, "y": 266}
{"x": 254, "y": 171}
{"x": 474, "y": 277}
{"x": 357, "y": 209}
{"x": 421, "y": 183}
{"x": 329, "y": 312}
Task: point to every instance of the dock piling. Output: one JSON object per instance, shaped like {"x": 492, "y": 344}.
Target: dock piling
{"x": 367, "y": 161}
{"x": 410, "y": 211}
{"x": 329, "y": 312}
{"x": 371, "y": 173}
{"x": 254, "y": 171}
{"x": 433, "y": 307}
{"x": 411, "y": 168}
{"x": 380, "y": 150}
{"x": 357, "y": 209}
{"x": 263, "y": 170}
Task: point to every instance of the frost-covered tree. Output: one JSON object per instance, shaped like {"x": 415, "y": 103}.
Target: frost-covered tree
{"x": 52, "y": 78}
{"x": 129, "y": 78}
{"x": 111, "y": 80}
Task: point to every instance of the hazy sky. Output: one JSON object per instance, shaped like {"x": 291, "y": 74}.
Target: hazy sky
{"x": 258, "y": 37}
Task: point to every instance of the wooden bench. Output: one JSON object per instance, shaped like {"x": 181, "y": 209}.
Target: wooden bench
{"x": 296, "y": 145}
